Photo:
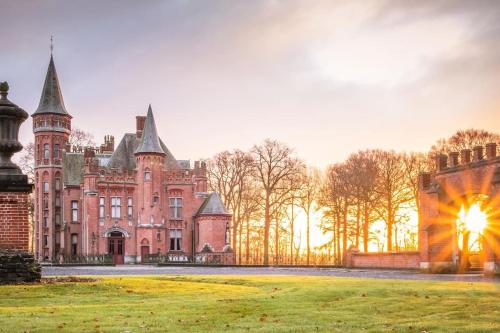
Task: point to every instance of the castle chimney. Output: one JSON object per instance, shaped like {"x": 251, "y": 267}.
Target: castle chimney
{"x": 465, "y": 156}
{"x": 441, "y": 162}
{"x": 491, "y": 150}
{"x": 454, "y": 158}
{"x": 425, "y": 180}
{"x": 139, "y": 125}
{"x": 478, "y": 153}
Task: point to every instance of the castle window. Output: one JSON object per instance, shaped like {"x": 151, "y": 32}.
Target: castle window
{"x": 74, "y": 244}
{"x": 56, "y": 151}
{"x": 74, "y": 211}
{"x": 130, "y": 207}
{"x": 46, "y": 151}
{"x": 158, "y": 236}
{"x": 58, "y": 219}
{"x": 156, "y": 199}
{"x": 176, "y": 208}
{"x": 102, "y": 202}
{"x": 175, "y": 239}
{"x": 46, "y": 219}
{"x": 116, "y": 206}
{"x": 147, "y": 175}
{"x": 58, "y": 184}
{"x": 45, "y": 187}
{"x": 46, "y": 240}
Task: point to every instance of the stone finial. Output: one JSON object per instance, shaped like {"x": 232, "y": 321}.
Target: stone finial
{"x": 11, "y": 117}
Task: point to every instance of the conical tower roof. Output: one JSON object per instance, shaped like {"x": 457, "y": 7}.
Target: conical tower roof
{"x": 51, "y": 100}
{"x": 212, "y": 205}
{"x": 150, "y": 143}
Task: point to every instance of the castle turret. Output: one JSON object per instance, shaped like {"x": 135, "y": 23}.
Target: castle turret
{"x": 52, "y": 128}
{"x": 150, "y": 161}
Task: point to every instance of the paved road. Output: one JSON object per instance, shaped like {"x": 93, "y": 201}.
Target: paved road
{"x": 339, "y": 272}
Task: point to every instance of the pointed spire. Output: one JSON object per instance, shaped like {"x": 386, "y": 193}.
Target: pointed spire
{"x": 51, "y": 100}
{"x": 150, "y": 143}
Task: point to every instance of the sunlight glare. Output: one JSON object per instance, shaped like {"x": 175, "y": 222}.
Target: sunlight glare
{"x": 474, "y": 219}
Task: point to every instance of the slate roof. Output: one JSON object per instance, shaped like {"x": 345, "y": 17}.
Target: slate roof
{"x": 124, "y": 155}
{"x": 73, "y": 164}
{"x": 51, "y": 100}
{"x": 150, "y": 143}
{"x": 212, "y": 206}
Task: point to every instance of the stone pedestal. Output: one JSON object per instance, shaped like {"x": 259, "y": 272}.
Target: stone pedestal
{"x": 16, "y": 263}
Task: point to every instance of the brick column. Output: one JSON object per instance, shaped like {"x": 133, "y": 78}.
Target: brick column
{"x": 14, "y": 221}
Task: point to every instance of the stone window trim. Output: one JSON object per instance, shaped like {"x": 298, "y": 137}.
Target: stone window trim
{"x": 175, "y": 206}
{"x": 175, "y": 240}
{"x": 116, "y": 207}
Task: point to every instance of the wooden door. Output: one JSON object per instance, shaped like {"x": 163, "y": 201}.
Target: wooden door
{"x": 144, "y": 252}
{"x": 116, "y": 248}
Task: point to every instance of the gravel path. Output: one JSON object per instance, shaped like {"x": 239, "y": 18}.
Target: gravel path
{"x": 339, "y": 272}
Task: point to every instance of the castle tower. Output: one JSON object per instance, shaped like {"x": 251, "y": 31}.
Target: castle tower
{"x": 150, "y": 161}
{"x": 52, "y": 128}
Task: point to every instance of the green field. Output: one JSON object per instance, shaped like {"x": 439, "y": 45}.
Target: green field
{"x": 250, "y": 304}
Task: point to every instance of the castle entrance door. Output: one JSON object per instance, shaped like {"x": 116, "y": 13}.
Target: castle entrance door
{"x": 116, "y": 246}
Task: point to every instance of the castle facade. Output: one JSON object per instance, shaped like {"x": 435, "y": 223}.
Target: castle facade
{"x": 129, "y": 202}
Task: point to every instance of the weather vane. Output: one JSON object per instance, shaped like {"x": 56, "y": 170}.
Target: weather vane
{"x": 51, "y": 44}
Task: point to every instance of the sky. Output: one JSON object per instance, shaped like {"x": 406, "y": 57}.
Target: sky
{"x": 326, "y": 77}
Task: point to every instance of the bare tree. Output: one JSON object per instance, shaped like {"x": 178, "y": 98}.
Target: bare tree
{"x": 80, "y": 138}
{"x": 464, "y": 139}
{"x": 274, "y": 163}
{"x": 393, "y": 190}
{"x": 228, "y": 174}
{"x": 27, "y": 161}
{"x": 308, "y": 193}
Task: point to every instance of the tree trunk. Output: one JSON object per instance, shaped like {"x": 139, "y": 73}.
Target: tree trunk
{"x": 344, "y": 235}
{"x": 358, "y": 217}
{"x": 277, "y": 242}
{"x": 366, "y": 231}
{"x": 239, "y": 242}
{"x": 308, "y": 240}
{"x": 267, "y": 225}
{"x": 247, "y": 250}
{"x": 292, "y": 234}
{"x": 337, "y": 225}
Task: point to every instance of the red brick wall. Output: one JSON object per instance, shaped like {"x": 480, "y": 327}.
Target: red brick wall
{"x": 14, "y": 223}
{"x": 384, "y": 260}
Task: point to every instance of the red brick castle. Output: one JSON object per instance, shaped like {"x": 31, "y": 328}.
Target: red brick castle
{"x": 129, "y": 202}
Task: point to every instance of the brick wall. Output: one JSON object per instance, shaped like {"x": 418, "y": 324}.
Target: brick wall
{"x": 399, "y": 260}
{"x": 14, "y": 223}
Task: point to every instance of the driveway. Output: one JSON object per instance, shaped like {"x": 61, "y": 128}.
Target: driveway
{"x": 292, "y": 271}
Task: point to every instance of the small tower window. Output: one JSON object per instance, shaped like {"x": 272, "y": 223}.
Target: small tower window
{"x": 56, "y": 151}
{"x": 45, "y": 187}
{"x": 147, "y": 175}
{"x": 46, "y": 151}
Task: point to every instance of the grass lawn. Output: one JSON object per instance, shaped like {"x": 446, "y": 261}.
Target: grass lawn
{"x": 250, "y": 304}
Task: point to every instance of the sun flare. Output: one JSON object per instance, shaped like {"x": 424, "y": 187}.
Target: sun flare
{"x": 473, "y": 219}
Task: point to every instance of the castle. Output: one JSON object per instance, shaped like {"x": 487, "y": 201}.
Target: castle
{"x": 129, "y": 202}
